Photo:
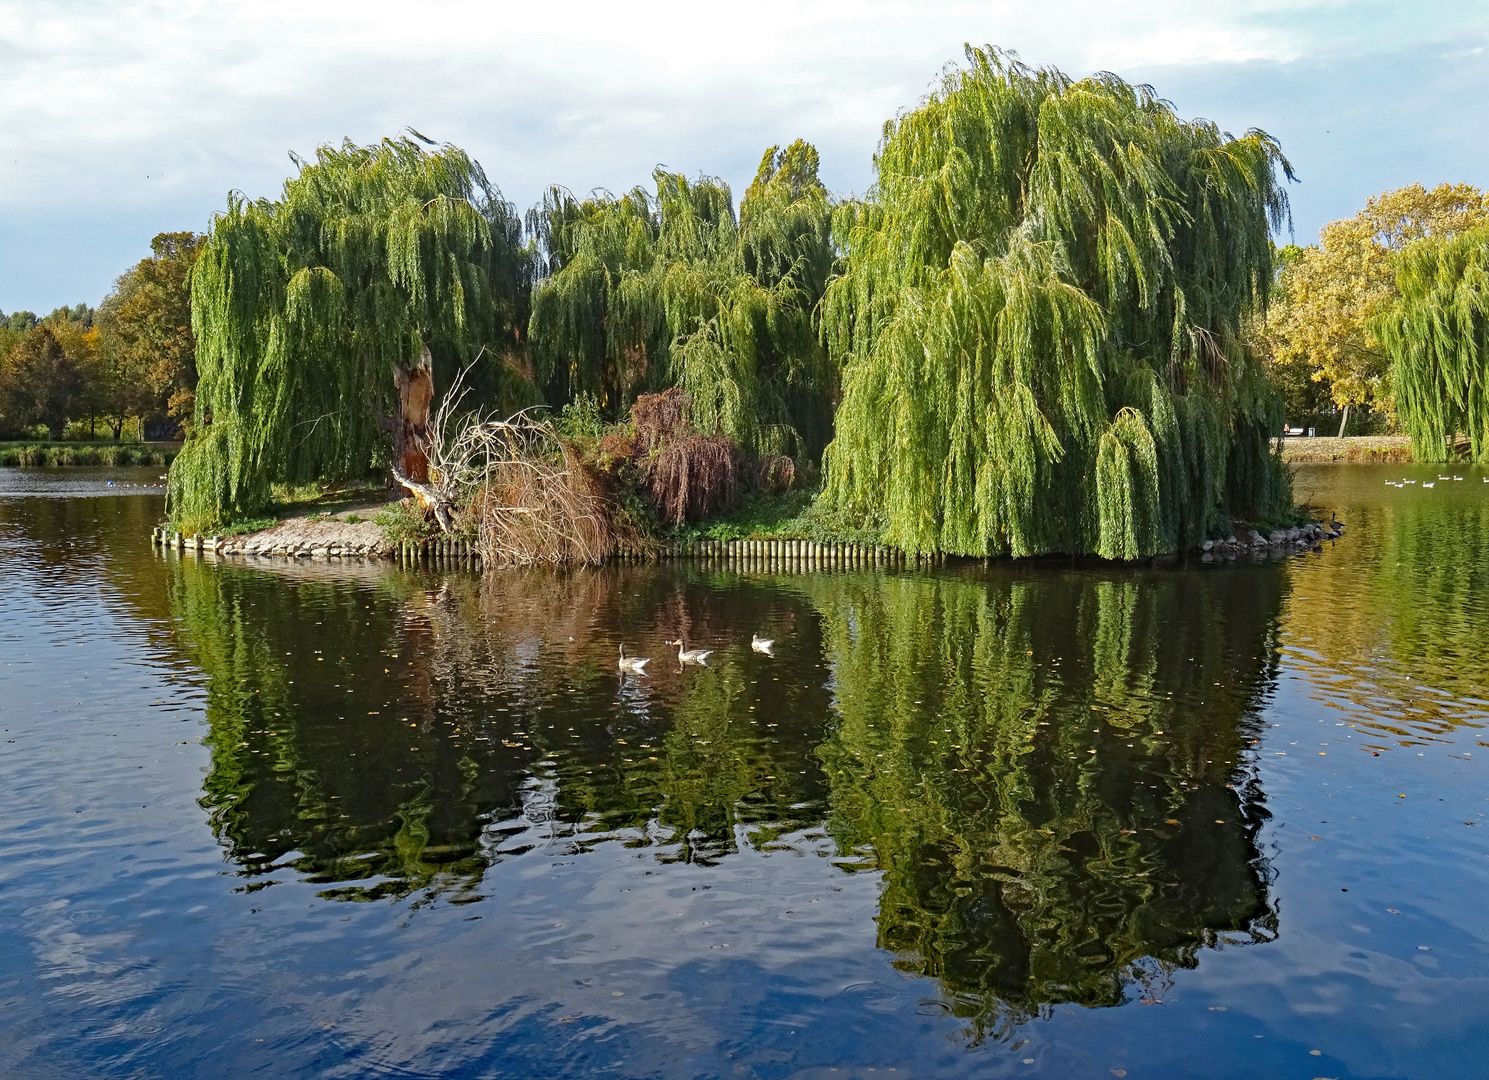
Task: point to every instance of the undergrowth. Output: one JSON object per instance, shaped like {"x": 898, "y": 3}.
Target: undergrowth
{"x": 31, "y": 455}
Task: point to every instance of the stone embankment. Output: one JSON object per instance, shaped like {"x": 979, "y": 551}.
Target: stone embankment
{"x": 1276, "y": 542}
{"x": 1352, "y": 449}
{"x": 295, "y": 538}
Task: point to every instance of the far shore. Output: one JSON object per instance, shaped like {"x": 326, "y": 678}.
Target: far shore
{"x": 1352, "y": 449}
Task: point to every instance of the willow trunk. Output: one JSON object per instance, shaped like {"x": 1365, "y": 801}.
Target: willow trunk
{"x": 415, "y": 385}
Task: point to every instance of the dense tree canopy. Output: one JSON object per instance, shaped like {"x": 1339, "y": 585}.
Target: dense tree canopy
{"x": 50, "y": 372}
{"x": 147, "y": 350}
{"x": 1437, "y": 334}
{"x": 649, "y": 291}
{"x": 310, "y": 310}
{"x": 1329, "y": 296}
{"x": 1039, "y": 321}
{"x": 40, "y": 382}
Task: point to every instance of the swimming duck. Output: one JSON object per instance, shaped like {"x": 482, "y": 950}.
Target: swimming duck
{"x": 690, "y": 656}
{"x": 762, "y": 644}
{"x": 634, "y": 664}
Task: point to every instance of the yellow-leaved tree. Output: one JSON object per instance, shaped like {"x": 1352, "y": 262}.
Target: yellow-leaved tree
{"x": 1320, "y": 317}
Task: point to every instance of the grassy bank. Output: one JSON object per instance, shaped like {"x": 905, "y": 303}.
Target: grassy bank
{"x": 350, "y": 502}
{"x": 33, "y": 454}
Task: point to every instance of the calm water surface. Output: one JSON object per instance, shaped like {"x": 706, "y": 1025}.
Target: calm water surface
{"x": 1055, "y": 820}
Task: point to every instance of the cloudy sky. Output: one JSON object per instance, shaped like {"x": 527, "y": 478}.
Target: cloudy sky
{"x": 121, "y": 120}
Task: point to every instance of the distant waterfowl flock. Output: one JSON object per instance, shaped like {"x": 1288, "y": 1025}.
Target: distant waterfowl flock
{"x": 1403, "y": 482}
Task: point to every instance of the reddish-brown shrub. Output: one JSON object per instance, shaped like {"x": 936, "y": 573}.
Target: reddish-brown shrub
{"x": 693, "y": 476}
{"x": 659, "y": 416}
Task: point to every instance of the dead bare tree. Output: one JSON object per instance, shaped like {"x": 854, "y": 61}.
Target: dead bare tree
{"x": 534, "y": 501}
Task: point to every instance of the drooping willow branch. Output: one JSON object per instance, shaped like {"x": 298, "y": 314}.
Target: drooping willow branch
{"x": 1038, "y": 321}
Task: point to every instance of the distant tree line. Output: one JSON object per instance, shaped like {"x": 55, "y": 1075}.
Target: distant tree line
{"x": 90, "y": 372}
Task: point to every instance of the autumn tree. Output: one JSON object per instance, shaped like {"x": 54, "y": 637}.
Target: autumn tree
{"x": 147, "y": 352}
{"x": 76, "y": 331}
{"x": 40, "y": 383}
{"x": 1330, "y": 294}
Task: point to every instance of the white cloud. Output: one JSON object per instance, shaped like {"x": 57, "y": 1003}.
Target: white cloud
{"x": 122, "y": 120}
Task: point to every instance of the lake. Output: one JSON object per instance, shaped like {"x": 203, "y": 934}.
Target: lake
{"x": 1050, "y": 819}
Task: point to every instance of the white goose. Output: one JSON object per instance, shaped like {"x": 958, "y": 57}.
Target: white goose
{"x": 762, "y": 644}
{"x": 690, "y": 656}
{"x": 636, "y": 665}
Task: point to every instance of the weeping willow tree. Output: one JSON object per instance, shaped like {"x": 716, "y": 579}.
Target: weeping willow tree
{"x": 1039, "y": 321}
{"x": 645, "y": 292}
{"x": 1438, "y": 336}
{"x": 319, "y": 316}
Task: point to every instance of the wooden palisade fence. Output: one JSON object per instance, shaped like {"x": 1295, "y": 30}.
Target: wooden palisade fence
{"x": 787, "y": 556}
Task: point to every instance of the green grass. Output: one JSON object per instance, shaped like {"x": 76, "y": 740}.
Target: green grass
{"x": 402, "y": 524}
{"x": 311, "y": 501}
{"x": 247, "y": 525}
{"x": 794, "y": 515}
{"x": 53, "y": 454}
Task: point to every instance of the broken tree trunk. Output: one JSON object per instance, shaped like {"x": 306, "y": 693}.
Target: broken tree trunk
{"x": 415, "y": 385}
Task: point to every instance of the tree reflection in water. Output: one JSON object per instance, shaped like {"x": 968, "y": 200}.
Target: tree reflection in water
{"x": 1049, "y": 771}
{"x": 1048, "y": 767}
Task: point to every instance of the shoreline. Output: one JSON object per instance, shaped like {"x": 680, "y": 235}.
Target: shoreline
{"x": 299, "y": 538}
{"x": 1350, "y": 450}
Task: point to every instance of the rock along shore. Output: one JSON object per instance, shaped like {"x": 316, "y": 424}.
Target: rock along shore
{"x": 1276, "y": 542}
{"x": 295, "y": 538}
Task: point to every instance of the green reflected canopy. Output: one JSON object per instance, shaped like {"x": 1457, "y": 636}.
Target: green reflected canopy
{"x": 1049, "y": 774}
{"x": 1039, "y": 321}
{"x": 1048, "y": 770}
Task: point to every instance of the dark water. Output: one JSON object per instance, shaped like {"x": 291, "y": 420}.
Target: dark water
{"x": 1034, "y": 821}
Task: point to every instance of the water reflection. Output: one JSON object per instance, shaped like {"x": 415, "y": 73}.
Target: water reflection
{"x": 1048, "y": 768}
{"x": 1049, "y": 772}
{"x": 1392, "y": 635}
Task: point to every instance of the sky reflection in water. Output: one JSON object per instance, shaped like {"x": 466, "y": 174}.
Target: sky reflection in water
{"x": 322, "y": 821}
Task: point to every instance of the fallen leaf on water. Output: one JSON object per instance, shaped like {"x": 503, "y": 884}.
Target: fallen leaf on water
{"x": 1171, "y": 821}
{"x": 1315, "y": 838}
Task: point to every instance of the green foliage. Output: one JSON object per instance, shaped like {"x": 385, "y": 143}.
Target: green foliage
{"x": 581, "y": 418}
{"x": 146, "y": 348}
{"x": 648, "y": 291}
{"x": 31, "y": 455}
{"x": 404, "y": 522}
{"x": 40, "y": 382}
{"x": 243, "y": 526}
{"x": 1039, "y": 321}
{"x": 1438, "y": 336}
{"x": 303, "y": 308}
